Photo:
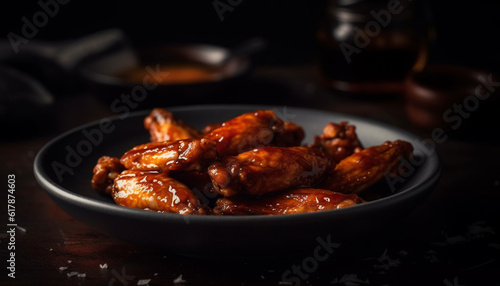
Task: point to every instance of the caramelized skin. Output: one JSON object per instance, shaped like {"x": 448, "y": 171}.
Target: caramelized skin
{"x": 154, "y": 191}
{"x": 247, "y": 131}
{"x": 210, "y": 127}
{"x": 105, "y": 172}
{"x": 286, "y": 202}
{"x": 338, "y": 140}
{"x": 164, "y": 126}
{"x": 199, "y": 183}
{"x": 269, "y": 169}
{"x": 193, "y": 179}
{"x": 185, "y": 155}
{"x": 263, "y": 170}
{"x": 357, "y": 172}
{"x": 291, "y": 135}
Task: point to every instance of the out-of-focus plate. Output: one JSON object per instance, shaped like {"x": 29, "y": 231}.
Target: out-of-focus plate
{"x": 64, "y": 169}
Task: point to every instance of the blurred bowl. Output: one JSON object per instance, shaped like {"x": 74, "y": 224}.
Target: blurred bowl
{"x": 107, "y": 65}
{"x": 165, "y": 76}
{"x": 454, "y": 98}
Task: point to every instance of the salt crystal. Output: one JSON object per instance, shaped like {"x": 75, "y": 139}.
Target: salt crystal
{"x": 103, "y": 266}
{"x": 81, "y": 275}
{"x": 179, "y": 280}
{"x": 143, "y": 282}
{"x": 71, "y": 274}
{"x": 21, "y": 229}
{"x": 62, "y": 268}
{"x": 69, "y": 261}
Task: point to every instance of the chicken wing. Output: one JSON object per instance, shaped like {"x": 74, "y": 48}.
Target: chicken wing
{"x": 200, "y": 184}
{"x": 164, "y": 126}
{"x": 338, "y": 140}
{"x": 154, "y": 191}
{"x": 286, "y": 202}
{"x": 185, "y": 155}
{"x": 105, "y": 172}
{"x": 210, "y": 127}
{"x": 269, "y": 169}
{"x": 247, "y": 131}
{"x": 291, "y": 135}
{"x": 357, "y": 172}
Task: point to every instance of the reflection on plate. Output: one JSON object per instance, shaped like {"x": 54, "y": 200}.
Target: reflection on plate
{"x": 64, "y": 169}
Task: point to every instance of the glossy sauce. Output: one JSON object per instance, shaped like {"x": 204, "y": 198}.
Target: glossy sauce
{"x": 171, "y": 74}
{"x": 245, "y": 132}
{"x": 269, "y": 169}
{"x": 105, "y": 172}
{"x": 164, "y": 126}
{"x": 287, "y": 202}
{"x": 154, "y": 191}
{"x": 181, "y": 155}
{"x": 357, "y": 172}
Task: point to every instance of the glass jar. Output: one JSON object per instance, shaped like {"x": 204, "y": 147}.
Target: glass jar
{"x": 368, "y": 47}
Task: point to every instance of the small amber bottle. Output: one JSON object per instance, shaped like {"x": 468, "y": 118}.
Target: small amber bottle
{"x": 368, "y": 47}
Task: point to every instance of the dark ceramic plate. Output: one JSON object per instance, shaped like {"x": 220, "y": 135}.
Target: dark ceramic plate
{"x": 64, "y": 169}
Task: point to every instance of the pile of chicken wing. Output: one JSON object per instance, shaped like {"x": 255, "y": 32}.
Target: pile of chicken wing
{"x": 253, "y": 164}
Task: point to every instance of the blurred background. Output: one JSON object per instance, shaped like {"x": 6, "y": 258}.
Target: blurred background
{"x": 465, "y": 30}
{"x": 301, "y": 38}
{"x": 422, "y": 65}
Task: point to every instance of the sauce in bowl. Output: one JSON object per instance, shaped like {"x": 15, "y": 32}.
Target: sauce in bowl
{"x": 178, "y": 73}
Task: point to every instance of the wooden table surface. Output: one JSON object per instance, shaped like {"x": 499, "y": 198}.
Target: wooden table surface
{"x": 453, "y": 238}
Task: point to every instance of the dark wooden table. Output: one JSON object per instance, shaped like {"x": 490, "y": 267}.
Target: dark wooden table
{"x": 453, "y": 238}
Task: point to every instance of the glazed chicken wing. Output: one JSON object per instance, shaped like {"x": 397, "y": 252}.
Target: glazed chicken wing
{"x": 199, "y": 183}
{"x": 185, "y": 155}
{"x": 105, "y": 172}
{"x": 357, "y": 172}
{"x": 252, "y": 164}
{"x": 210, "y": 127}
{"x": 286, "y": 202}
{"x": 269, "y": 169}
{"x": 164, "y": 126}
{"x": 291, "y": 135}
{"x": 247, "y": 131}
{"x": 154, "y": 191}
{"x": 338, "y": 140}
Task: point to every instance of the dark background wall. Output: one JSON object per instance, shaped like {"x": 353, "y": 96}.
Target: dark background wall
{"x": 467, "y": 31}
